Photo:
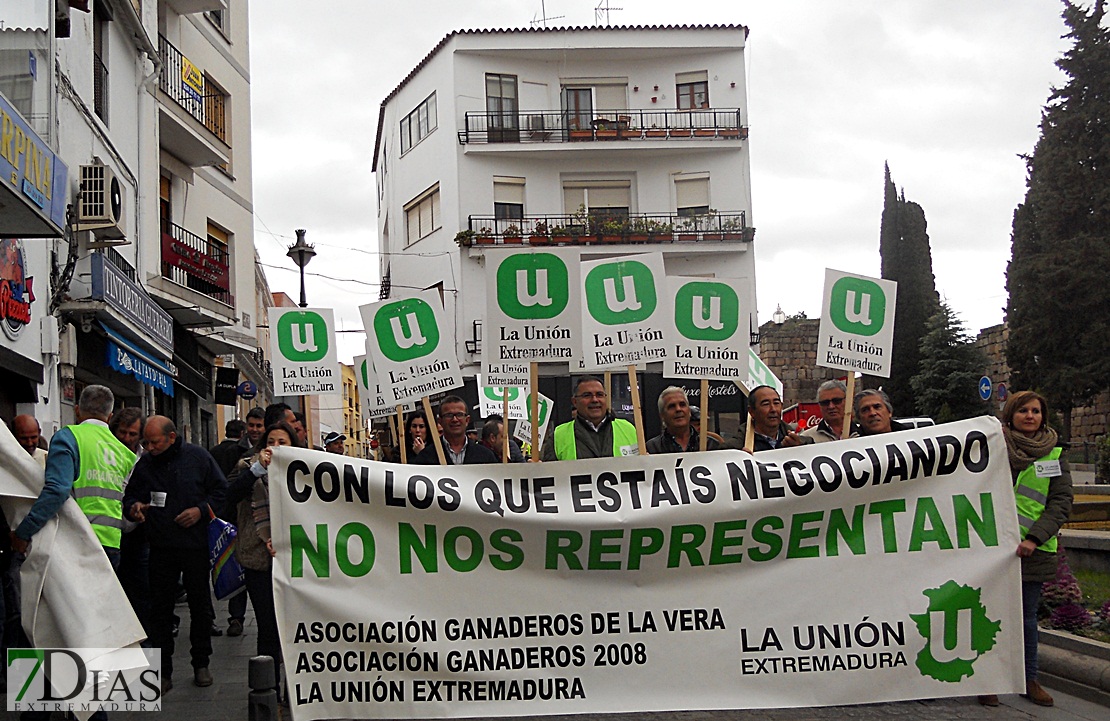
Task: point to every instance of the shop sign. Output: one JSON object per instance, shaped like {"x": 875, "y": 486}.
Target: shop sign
{"x": 126, "y": 296}
{"x": 31, "y": 168}
{"x": 126, "y": 361}
{"x": 16, "y": 293}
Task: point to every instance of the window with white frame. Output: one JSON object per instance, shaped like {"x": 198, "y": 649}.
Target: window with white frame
{"x": 422, "y": 215}
{"x": 602, "y": 198}
{"x": 419, "y": 123}
{"x": 691, "y": 193}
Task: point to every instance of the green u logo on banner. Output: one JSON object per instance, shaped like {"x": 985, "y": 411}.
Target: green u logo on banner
{"x": 302, "y": 336}
{"x": 533, "y": 286}
{"x": 406, "y": 330}
{"x": 493, "y": 395}
{"x": 620, "y": 293}
{"x": 707, "y": 311}
{"x": 857, "y": 306}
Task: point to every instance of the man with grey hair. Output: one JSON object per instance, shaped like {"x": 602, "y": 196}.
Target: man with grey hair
{"x": 88, "y": 462}
{"x": 875, "y": 413}
{"x": 678, "y": 435}
{"x": 830, "y": 396}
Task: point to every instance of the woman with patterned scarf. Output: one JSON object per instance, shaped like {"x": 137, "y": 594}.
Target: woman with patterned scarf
{"x": 1043, "y": 490}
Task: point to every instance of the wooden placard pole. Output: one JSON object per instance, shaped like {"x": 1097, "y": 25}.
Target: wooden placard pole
{"x": 703, "y": 434}
{"x": 534, "y": 408}
{"x": 749, "y": 429}
{"x": 848, "y": 398}
{"x": 634, "y": 386}
{"x": 399, "y": 433}
{"x": 433, "y": 430}
{"x": 504, "y": 425}
{"x": 609, "y": 385}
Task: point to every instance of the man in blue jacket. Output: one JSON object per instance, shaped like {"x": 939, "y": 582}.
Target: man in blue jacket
{"x": 172, "y": 490}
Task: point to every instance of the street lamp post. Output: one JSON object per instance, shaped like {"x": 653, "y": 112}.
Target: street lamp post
{"x": 300, "y": 253}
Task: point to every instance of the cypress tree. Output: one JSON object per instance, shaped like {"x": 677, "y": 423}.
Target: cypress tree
{"x": 946, "y": 386}
{"x": 908, "y": 260}
{"x": 1059, "y": 295}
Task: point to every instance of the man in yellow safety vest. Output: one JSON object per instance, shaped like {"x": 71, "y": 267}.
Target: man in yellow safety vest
{"x": 594, "y": 432}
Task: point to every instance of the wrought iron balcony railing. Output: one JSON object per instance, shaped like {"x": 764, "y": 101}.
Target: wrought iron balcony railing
{"x": 186, "y": 85}
{"x": 198, "y": 263}
{"x": 598, "y": 226}
{"x": 569, "y": 126}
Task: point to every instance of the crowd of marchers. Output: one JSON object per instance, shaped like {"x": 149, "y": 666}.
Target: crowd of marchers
{"x": 149, "y": 495}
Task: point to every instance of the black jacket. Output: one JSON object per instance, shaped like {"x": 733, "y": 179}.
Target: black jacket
{"x": 475, "y": 453}
{"x": 190, "y": 478}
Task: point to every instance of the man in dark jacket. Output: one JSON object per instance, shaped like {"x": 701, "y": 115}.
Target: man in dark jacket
{"x": 595, "y": 432}
{"x": 679, "y": 434}
{"x": 457, "y": 448}
{"x": 228, "y": 451}
{"x": 765, "y": 415}
{"x": 172, "y": 489}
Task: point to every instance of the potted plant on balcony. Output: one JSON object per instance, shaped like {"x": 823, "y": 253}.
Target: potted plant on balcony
{"x": 712, "y": 225}
{"x": 539, "y": 234}
{"x": 659, "y": 232}
{"x": 733, "y": 227}
{"x": 580, "y": 223}
{"x": 638, "y": 230}
{"x": 655, "y": 132}
{"x": 612, "y": 230}
{"x": 605, "y": 129}
{"x": 465, "y": 238}
{"x": 561, "y": 234}
{"x": 748, "y": 235}
{"x": 512, "y": 235}
{"x": 484, "y": 236}
{"x": 686, "y": 228}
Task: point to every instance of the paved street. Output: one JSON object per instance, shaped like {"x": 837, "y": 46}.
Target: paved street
{"x": 227, "y": 697}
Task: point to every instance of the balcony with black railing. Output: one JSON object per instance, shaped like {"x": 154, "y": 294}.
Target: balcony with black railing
{"x": 596, "y": 226}
{"x": 567, "y": 126}
{"x": 184, "y": 83}
{"x": 196, "y": 262}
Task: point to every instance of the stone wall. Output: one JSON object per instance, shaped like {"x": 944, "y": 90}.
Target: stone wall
{"x": 1088, "y": 423}
{"x": 790, "y": 350}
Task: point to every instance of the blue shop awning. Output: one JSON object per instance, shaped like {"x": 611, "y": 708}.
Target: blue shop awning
{"x": 125, "y": 357}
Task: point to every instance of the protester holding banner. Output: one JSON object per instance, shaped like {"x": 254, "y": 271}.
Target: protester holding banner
{"x": 1043, "y": 488}
{"x": 830, "y": 397}
{"x": 457, "y": 448}
{"x": 765, "y": 415}
{"x": 416, "y": 434}
{"x": 875, "y": 413}
{"x": 679, "y": 434}
{"x": 594, "y": 432}
{"x": 254, "y": 548}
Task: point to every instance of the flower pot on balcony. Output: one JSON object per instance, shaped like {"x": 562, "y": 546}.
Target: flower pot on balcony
{"x": 637, "y": 237}
{"x": 538, "y": 239}
{"x": 732, "y": 235}
{"x": 484, "y": 240}
{"x": 680, "y": 132}
{"x": 512, "y": 239}
{"x": 704, "y": 132}
{"x": 611, "y": 238}
{"x": 655, "y": 133}
{"x": 729, "y": 132}
{"x": 562, "y": 238}
{"x": 606, "y": 134}
{"x": 627, "y": 133}
{"x": 581, "y": 134}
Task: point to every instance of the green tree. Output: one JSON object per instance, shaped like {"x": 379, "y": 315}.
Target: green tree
{"x": 946, "y": 386}
{"x": 1059, "y": 298}
{"x": 908, "y": 260}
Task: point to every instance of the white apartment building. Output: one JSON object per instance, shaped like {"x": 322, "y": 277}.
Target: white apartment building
{"x": 611, "y": 140}
{"x": 150, "y": 277}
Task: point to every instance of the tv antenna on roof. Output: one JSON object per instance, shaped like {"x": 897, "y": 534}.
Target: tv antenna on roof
{"x": 603, "y": 7}
{"x": 542, "y": 20}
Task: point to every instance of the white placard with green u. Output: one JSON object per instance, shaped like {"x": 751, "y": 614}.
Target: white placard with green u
{"x": 707, "y": 333}
{"x": 302, "y": 351}
{"x": 760, "y": 374}
{"x": 413, "y": 352}
{"x": 532, "y": 312}
{"x": 857, "y": 323}
{"x": 371, "y": 399}
{"x": 520, "y": 403}
{"x": 625, "y": 311}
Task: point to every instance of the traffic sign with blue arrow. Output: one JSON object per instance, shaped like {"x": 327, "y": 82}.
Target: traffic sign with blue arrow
{"x": 985, "y": 388}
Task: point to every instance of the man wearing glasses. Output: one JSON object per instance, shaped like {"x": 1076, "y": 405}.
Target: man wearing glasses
{"x": 830, "y": 396}
{"x": 594, "y": 432}
{"x": 457, "y": 448}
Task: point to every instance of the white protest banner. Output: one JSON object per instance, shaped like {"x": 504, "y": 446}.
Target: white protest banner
{"x": 874, "y": 569}
{"x": 759, "y": 374}
{"x": 857, "y": 323}
{"x": 499, "y": 375}
{"x": 413, "y": 355}
{"x": 372, "y": 403}
{"x": 704, "y": 333}
{"x": 302, "y": 351}
{"x": 533, "y": 313}
{"x": 625, "y": 311}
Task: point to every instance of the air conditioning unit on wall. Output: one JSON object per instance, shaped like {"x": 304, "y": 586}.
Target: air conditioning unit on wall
{"x": 100, "y": 205}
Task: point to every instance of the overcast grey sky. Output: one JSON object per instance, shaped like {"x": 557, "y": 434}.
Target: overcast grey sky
{"x": 949, "y": 92}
